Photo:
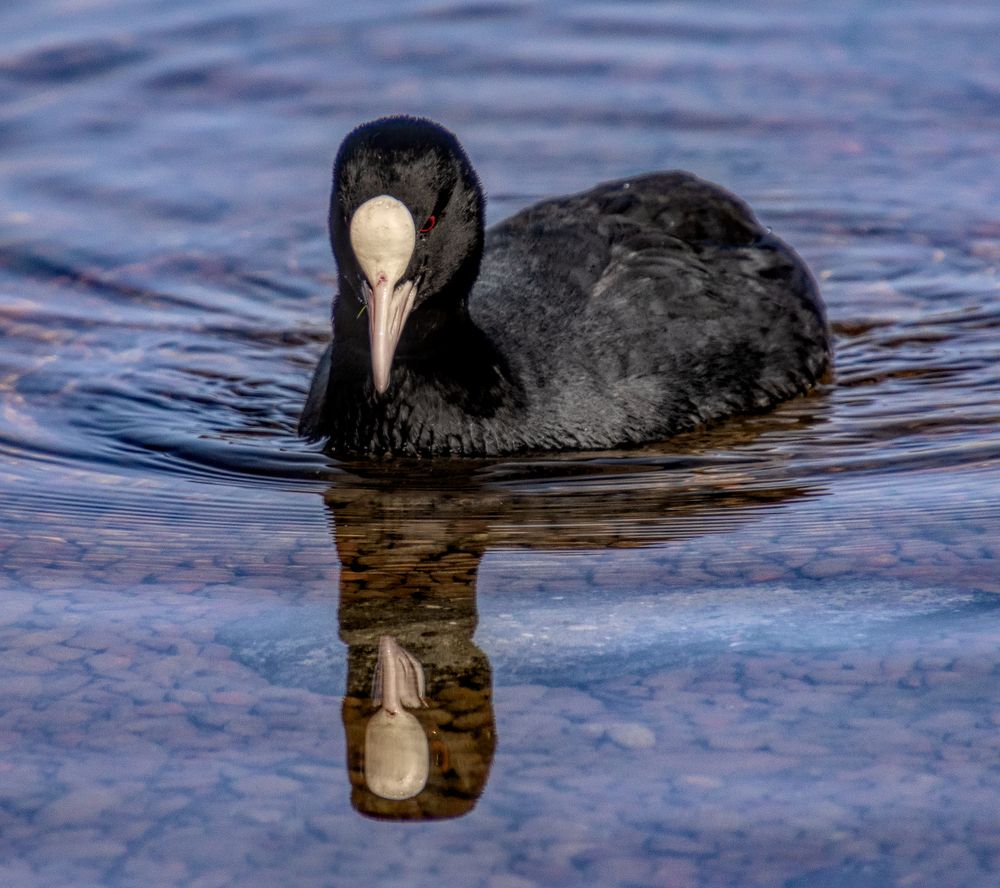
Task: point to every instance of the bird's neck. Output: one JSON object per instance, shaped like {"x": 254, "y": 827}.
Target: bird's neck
{"x": 441, "y": 349}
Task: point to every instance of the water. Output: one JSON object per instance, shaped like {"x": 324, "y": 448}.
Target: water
{"x": 761, "y": 655}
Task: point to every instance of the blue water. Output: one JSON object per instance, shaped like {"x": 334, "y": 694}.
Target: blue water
{"x": 763, "y": 654}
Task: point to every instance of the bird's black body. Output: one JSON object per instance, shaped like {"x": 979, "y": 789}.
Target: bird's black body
{"x": 628, "y": 313}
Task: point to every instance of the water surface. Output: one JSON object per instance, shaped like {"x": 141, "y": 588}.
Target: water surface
{"x": 763, "y": 654}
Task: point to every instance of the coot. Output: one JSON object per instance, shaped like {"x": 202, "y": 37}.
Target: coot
{"x": 641, "y": 308}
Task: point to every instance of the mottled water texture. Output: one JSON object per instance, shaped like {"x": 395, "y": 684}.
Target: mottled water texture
{"x": 766, "y": 654}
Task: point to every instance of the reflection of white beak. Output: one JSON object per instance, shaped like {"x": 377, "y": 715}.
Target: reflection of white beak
{"x": 383, "y": 237}
{"x": 397, "y": 754}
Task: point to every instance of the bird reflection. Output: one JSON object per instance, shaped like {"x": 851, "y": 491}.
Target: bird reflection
{"x": 418, "y": 708}
{"x": 418, "y": 713}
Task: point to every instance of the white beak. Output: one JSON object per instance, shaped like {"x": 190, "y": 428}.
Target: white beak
{"x": 383, "y": 237}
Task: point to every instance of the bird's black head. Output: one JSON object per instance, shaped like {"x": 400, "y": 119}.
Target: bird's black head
{"x": 406, "y": 225}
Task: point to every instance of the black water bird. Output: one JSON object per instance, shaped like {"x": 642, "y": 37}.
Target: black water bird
{"x": 641, "y": 308}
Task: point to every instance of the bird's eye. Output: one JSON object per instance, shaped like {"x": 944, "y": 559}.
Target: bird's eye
{"x": 429, "y": 224}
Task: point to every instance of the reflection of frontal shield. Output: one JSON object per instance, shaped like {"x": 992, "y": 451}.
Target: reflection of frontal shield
{"x": 397, "y": 755}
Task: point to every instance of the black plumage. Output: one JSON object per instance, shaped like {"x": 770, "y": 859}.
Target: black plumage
{"x": 627, "y": 313}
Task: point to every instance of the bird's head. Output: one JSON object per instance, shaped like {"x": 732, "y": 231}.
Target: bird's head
{"x": 406, "y": 226}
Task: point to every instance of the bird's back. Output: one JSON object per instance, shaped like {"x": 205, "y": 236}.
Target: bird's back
{"x": 644, "y": 307}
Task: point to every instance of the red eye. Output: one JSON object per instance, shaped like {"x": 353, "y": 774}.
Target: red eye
{"x": 429, "y": 224}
